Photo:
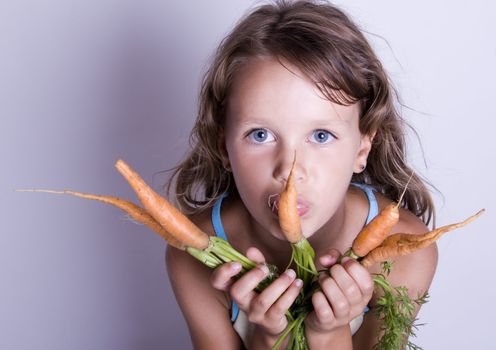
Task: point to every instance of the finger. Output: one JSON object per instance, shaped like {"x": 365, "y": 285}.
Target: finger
{"x": 256, "y": 255}
{"x": 322, "y": 309}
{"x": 330, "y": 258}
{"x": 339, "y": 304}
{"x": 242, "y": 291}
{"x": 346, "y": 284}
{"x": 286, "y": 300}
{"x": 361, "y": 276}
{"x": 269, "y": 295}
{"x": 222, "y": 276}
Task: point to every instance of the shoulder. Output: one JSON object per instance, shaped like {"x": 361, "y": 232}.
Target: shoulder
{"x": 203, "y": 219}
{"x": 422, "y": 263}
{"x": 184, "y": 270}
{"x": 415, "y": 270}
{"x": 231, "y": 213}
{"x": 191, "y": 279}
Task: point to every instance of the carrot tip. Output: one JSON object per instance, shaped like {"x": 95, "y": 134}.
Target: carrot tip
{"x": 41, "y": 190}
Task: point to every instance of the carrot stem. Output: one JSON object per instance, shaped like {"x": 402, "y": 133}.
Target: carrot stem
{"x": 284, "y": 334}
{"x": 404, "y": 190}
{"x": 303, "y": 255}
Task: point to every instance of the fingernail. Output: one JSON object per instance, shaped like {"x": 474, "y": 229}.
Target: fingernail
{"x": 235, "y": 266}
{"x": 264, "y": 269}
{"x": 291, "y": 273}
{"x": 348, "y": 262}
{"x": 298, "y": 282}
{"x": 326, "y": 259}
{"x": 321, "y": 277}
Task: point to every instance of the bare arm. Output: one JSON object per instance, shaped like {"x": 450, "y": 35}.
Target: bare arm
{"x": 205, "y": 309}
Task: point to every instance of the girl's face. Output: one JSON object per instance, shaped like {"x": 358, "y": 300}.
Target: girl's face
{"x": 272, "y": 113}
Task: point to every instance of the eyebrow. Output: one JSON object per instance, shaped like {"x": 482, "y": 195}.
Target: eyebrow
{"x": 254, "y": 121}
{"x": 323, "y": 121}
{"x": 337, "y": 121}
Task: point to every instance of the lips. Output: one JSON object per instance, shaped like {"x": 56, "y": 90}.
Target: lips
{"x": 301, "y": 204}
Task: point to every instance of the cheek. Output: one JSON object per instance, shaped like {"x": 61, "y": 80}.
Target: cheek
{"x": 331, "y": 165}
{"x": 253, "y": 178}
{"x": 251, "y": 175}
{"x": 249, "y": 161}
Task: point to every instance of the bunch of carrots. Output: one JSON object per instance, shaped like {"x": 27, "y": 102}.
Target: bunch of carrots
{"x": 372, "y": 245}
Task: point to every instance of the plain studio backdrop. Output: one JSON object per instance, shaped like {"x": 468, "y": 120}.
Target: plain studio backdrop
{"x": 83, "y": 83}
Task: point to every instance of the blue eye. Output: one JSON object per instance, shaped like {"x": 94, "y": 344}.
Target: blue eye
{"x": 261, "y": 136}
{"x": 322, "y": 136}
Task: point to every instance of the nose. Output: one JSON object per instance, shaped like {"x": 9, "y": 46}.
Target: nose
{"x": 283, "y": 165}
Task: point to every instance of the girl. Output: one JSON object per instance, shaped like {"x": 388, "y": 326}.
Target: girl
{"x": 294, "y": 77}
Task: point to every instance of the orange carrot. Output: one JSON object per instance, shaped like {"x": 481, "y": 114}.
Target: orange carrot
{"x": 404, "y": 243}
{"x": 136, "y": 212}
{"x": 302, "y": 254}
{"x": 288, "y": 210}
{"x": 163, "y": 218}
{"x": 169, "y": 217}
{"x": 378, "y": 229}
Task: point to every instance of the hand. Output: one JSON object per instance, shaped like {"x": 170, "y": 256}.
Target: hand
{"x": 344, "y": 295}
{"x": 267, "y": 309}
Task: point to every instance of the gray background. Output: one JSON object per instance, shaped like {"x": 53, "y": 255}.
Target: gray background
{"x": 83, "y": 83}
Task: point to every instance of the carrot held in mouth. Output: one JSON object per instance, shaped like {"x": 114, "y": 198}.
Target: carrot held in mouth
{"x": 303, "y": 254}
{"x": 289, "y": 220}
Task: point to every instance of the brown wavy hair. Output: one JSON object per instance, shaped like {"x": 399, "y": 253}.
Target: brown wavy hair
{"x": 323, "y": 42}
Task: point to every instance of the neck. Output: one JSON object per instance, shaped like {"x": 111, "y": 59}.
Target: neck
{"x": 331, "y": 234}
{"x": 252, "y": 234}
{"x": 276, "y": 251}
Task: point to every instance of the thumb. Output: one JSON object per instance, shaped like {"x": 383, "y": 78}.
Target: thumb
{"x": 256, "y": 255}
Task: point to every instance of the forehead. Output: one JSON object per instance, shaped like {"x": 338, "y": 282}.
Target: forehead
{"x": 267, "y": 87}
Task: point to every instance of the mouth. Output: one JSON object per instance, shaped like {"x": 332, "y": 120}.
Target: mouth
{"x": 301, "y": 205}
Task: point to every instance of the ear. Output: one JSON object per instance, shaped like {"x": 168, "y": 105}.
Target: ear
{"x": 221, "y": 147}
{"x": 363, "y": 152}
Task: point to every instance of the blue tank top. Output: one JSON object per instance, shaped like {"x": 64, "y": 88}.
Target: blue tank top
{"x": 219, "y": 229}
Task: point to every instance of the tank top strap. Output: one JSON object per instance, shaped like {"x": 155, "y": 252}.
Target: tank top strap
{"x": 219, "y": 232}
{"x": 216, "y": 221}
{"x": 373, "y": 206}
